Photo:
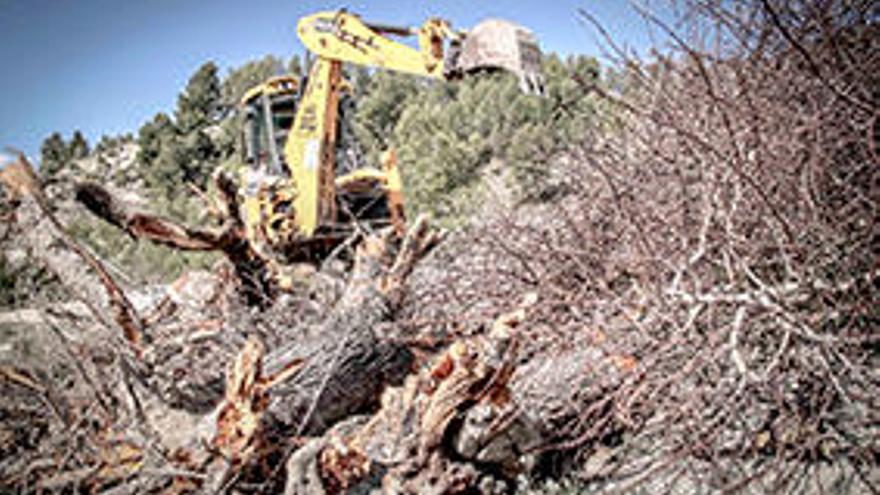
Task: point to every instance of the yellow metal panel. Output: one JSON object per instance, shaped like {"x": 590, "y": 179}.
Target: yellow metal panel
{"x": 309, "y": 148}
{"x": 361, "y": 174}
{"x": 392, "y": 173}
{"x": 394, "y": 191}
{"x": 342, "y": 36}
{"x": 277, "y": 85}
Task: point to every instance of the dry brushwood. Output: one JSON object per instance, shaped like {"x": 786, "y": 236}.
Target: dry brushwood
{"x": 723, "y": 234}
{"x": 87, "y": 277}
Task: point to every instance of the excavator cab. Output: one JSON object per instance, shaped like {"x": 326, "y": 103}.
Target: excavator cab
{"x": 269, "y": 110}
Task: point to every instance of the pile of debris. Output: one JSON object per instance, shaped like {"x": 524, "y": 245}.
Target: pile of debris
{"x": 195, "y": 389}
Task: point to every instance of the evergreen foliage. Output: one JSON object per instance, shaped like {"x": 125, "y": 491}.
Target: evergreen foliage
{"x": 446, "y": 134}
{"x": 54, "y": 155}
{"x": 79, "y": 146}
{"x": 199, "y": 105}
{"x": 174, "y": 153}
{"x": 381, "y": 100}
{"x": 252, "y": 73}
{"x": 295, "y": 66}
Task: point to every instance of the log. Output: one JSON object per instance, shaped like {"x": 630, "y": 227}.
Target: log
{"x": 405, "y": 446}
{"x": 348, "y": 363}
{"x": 141, "y": 225}
{"x": 476, "y": 419}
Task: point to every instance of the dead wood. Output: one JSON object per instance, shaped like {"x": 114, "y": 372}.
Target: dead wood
{"x": 307, "y": 378}
{"x": 92, "y": 282}
{"x": 228, "y": 237}
{"x": 140, "y": 225}
{"x": 475, "y": 419}
{"x": 348, "y": 361}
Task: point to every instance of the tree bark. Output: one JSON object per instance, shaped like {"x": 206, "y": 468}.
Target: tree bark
{"x": 348, "y": 363}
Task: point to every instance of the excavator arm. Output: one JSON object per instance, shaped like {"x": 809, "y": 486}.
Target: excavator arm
{"x": 310, "y": 148}
{"x": 345, "y": 37}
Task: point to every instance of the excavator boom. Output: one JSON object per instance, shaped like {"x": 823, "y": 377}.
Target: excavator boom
{"x": 345, "y": 37}
{"x": 492, "y": 44}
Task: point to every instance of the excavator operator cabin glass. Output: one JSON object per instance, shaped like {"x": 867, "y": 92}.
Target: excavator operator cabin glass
{"x": 254, "y": 135}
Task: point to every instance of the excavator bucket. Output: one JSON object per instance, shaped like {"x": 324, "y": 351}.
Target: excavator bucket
{"x": 498, "y": 44}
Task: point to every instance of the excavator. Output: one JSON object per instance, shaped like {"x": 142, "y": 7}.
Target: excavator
{"x": 298, "y": 202}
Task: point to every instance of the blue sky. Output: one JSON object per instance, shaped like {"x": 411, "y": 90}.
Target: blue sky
{"x": 106, "y": 66}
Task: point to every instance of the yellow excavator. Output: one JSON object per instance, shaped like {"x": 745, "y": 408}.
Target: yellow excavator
{"x": 298, "y": 203}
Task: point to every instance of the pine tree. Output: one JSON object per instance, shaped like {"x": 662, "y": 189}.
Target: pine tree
{"x": 378, "y": 111}
{"x": 151, "y": 136}
{"x": 199, "y": 105}
{"x": 295, "y": 66}
{"x": 54, "y": 155}
{"x": 197, "y": 161}
{"x": 445, "y": 134}
{"x": 165, "y": 176}
{"x": 79, "y": 147}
